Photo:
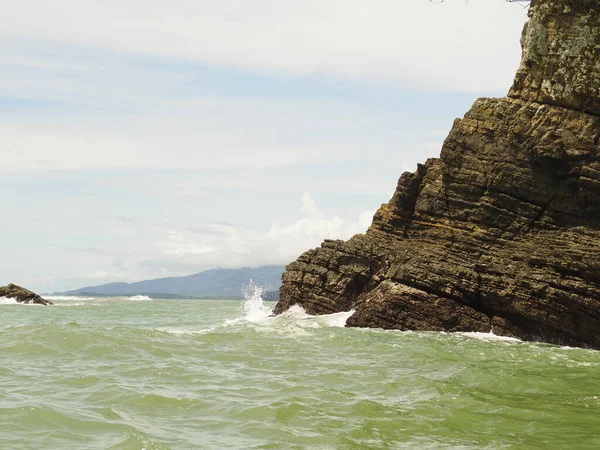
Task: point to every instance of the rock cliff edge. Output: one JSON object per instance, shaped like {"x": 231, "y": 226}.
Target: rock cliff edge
{"x": 502, "y": 232}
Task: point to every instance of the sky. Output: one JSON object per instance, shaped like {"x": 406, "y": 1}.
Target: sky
{"x": 144, "y": 138}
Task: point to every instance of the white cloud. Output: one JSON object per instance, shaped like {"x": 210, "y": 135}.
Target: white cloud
{"x": 203, "y": 134}
{"x": 123, "y": 115}
{"x": 79, "y": 279}
{"x": 309, "y": 207}
{"x": 313, "y": 227}
{"x": 470, "y": 47}
{"x": 105, "y": 85}
{"x": 98, "y": 274}
{"x": 215, "y": 143}
{"x": 184, "y": 252}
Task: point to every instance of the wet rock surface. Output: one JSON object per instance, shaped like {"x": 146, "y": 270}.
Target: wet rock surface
{"x": 22, "y": 295}
{"x": 502, "y": 232}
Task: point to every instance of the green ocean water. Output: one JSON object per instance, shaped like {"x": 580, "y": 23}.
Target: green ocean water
{"x": 173, "y": 374}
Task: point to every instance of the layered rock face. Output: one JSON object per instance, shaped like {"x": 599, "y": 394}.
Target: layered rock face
{"x": 502, "y": 232}
{"x": 22, "y": 295}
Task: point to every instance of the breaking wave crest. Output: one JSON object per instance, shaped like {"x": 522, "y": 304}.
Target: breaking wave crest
{"x": 138, "y": 298}
{"x": 257, "y": 315}
{"x": 254, "y": 307}
{"x": 489, "y": 337}
{"x": 295, "y": 320}
{"x": 8, "y": 301}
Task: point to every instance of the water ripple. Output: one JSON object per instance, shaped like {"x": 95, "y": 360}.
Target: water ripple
{"x": 162, "y": 374}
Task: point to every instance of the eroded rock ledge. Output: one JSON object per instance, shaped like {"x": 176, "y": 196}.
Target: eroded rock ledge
{"x": 502, "y": 231}
{"x": 22, "y": 295}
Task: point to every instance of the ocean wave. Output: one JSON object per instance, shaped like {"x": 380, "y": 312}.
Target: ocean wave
{"x": 67, "y": 298}
{"x": 489, "y": 337}
{"x": 258, "y": 315}
{"x": 183, "y": 331}
{"x": 297, "y": 314}
{"x": 138, "y": 298}
{"x": 8, "y": 301}
{"x": 295, "y": 320}
{"x": 70, "y": 304}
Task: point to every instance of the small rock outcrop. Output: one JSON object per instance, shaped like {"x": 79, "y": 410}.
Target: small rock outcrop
{"x": 502, "y": 232}
{"x": 22, "y": 295}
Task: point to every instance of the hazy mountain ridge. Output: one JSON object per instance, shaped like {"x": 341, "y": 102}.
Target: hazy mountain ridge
{"x": 215, "y": 283}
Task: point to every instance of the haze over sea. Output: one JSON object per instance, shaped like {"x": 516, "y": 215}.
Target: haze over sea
{"x": 137, "y": 373}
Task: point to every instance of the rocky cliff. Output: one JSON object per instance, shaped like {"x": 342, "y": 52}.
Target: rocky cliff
{"x": 502, "y": 232}
{"x": 22, "y": 295}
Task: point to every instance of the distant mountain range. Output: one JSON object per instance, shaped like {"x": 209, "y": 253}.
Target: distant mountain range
{"x": 213, "y": 283}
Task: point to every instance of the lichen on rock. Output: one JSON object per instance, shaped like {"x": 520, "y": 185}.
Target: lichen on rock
{"x": 561, "y": 55}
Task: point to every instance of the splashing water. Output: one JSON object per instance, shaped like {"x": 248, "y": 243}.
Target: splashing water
{"x": 254, "y": 306}
{"x": 294, "y": 321}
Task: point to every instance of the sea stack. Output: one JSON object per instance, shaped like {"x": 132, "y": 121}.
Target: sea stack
{"x": 22, "y": 295}
{"x": 502, "y": 232}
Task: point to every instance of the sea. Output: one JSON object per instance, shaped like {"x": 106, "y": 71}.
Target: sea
{"x": 144, "y": 373}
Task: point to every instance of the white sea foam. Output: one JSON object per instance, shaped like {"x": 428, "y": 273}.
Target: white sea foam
{"x": 490, "y": 337}
{"x": 295, "y": 320}
{"x": 138, "y": 298}
{"x": 187, "y": 330}
{"x": 8, "y": 301}
{"x": 67, "y": 298}
{"x": 254, "y": 307}
{"x": 257, "y": 313}
{"x": 297, "y": 314}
